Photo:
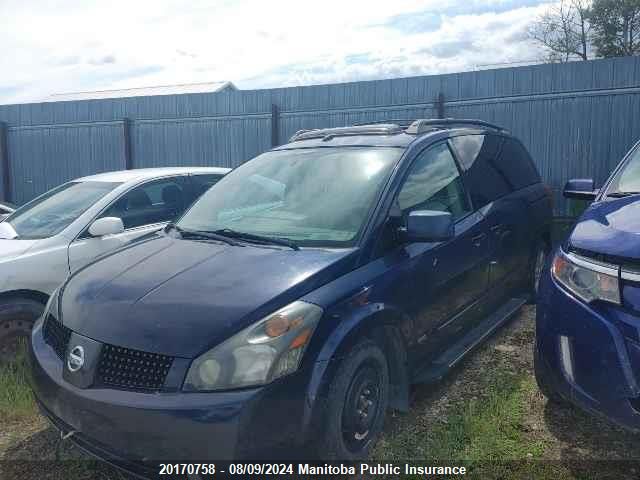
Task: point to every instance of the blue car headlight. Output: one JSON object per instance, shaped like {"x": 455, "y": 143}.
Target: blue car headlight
{"x": 259, "y": 354}
{"x": 586, "y": 279}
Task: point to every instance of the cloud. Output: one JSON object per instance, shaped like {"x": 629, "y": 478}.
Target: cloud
{"x": 103, "y": 60}
{"x": 357, "y": 58}
{"x": 448, "y": 49}
{"x": 431, "y": 19}
{"x": 461, "y": 43}
{"x": 415, "y": 22}
{"x": 52, "y": 47}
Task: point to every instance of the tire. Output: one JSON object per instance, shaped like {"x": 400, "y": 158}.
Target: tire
{"x": 17, "y": 316}
{"x": 543, "y": 384}
{"x": 361, "y": 377}
{"x": 536, "y": 266}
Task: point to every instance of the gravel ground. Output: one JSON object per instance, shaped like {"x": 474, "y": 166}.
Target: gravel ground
{"x": 568, "y": 435}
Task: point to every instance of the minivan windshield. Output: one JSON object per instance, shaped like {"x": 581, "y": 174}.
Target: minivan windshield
{"x": 627, "y": 180}
{"x": 313, "y": 197}
{"x": 54, "y": 211}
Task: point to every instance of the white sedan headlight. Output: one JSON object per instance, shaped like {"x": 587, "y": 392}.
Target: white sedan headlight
{"x": 586, "y": 279}
{"x": 259, "y": 354}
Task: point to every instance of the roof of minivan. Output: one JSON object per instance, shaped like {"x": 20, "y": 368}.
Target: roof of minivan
{"x": 122, "y": 176}
{"x": 402, "y": 139}
{"x": 397, "y": 140}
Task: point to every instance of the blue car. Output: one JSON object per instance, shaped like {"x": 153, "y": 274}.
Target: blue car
{"x": 588, "y": 316}
{"x": 299, "y": 299}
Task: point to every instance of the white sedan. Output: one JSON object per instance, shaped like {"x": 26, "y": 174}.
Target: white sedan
{"x": 65, "y": 228}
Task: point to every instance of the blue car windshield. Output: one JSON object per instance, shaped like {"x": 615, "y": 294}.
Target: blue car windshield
{"x": 627, "y": 180}
{"x": 314, "y": 197}
{"x": 55, "y": 210}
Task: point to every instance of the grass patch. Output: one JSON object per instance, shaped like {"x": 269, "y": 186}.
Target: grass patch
{"x": 16, "y": 399}
{"x": 491, "y": 427}
{"x": 487, "y": 433}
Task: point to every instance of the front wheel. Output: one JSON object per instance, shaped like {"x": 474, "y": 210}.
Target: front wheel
{"x": 356, "y": 405}
{"x": 17, "y": 316}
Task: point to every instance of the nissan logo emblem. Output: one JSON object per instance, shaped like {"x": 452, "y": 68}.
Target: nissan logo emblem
{"x": 75, "y": 360}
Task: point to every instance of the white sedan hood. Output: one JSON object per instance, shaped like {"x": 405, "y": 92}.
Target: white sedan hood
{"x": 14, "y": 248}
{"x": 9, "y": 246}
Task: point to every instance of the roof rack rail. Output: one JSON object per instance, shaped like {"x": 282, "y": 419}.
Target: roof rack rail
{"x": 426, "y": 125}
{"x": 391, "y": 127}
{"x": 401, "y": 122}
{"x": 328, "y": 133}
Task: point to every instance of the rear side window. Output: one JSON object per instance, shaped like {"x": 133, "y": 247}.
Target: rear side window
{"x": 515, "y": 162}
{"x": 495, "y": 166}
{"x": 483, "y": 177}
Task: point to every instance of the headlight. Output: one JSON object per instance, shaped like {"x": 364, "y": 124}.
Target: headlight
{"x": 586, "y": 279}
{"x": 259, "y": 354}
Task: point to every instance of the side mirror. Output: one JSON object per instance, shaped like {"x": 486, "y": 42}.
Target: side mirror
{"x": 106, "y": 226}
{"x": 429, "y": 226}
{"x": 580, "y": 189}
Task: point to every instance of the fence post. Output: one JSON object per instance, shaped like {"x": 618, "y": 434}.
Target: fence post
{"x": 440, "y": 105}
{"x": 4, "y": 162}
{"x": 126, "y": 143}
{"x": 275, "y": 124}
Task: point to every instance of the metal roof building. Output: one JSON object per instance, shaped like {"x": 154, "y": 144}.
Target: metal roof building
{"x": 206, "y": 87}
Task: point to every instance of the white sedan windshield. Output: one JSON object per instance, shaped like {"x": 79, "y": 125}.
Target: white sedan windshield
{"x": 54, "y": 211}
{"x": 318, "y": 196}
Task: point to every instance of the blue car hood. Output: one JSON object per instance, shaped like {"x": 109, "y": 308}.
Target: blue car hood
{"x": 180, "y": 297}
{"x": 611, "y": 228}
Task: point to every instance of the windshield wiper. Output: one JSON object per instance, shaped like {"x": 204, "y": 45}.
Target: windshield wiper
{"x": 284, "y": 242}
{"x": 184, "y": 233}
{"x": 622, "y": 194}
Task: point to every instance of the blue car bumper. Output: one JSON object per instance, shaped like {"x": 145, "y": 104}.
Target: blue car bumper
{"x": 589, "y": 354}
{"x": 136, "y": 430}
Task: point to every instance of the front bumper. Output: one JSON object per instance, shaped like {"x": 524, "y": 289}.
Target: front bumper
{"x": 589, "y": 354}
{"x": 136, "y": 430}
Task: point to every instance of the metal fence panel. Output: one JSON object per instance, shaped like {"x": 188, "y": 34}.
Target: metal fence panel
{"x": 222, "y": 142}
{"x": 44, "y": 157}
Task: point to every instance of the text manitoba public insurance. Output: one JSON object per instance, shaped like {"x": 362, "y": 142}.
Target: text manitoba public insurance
{"x": 380, "y": 469}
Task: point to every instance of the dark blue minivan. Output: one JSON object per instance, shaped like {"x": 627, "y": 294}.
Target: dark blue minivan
{"x": 588, "y": 316}
{"x": 299, "y": 299}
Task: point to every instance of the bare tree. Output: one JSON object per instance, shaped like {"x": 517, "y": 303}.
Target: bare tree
{"x": 564, "y": 30}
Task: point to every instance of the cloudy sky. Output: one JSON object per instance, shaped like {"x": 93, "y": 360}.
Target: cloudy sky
{"x": 49, "y": 47}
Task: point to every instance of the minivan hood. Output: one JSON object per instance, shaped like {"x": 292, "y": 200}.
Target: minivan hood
{"x": 611, "y": 228}
{"x": 180, "y": 297}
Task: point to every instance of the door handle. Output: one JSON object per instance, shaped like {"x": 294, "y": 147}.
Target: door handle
{"x": 477, "y": 239}
{"x": 496, "y": 228}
